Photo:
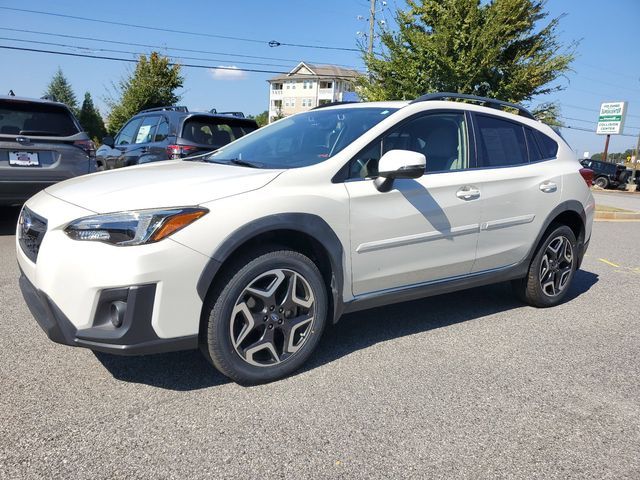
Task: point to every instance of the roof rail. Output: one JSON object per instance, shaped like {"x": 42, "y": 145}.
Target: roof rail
{"x": 230, "y": 114}
{"x": 331, "y": 104}
{"x": 175, "y": 108}
{"x": 489, "y": 102}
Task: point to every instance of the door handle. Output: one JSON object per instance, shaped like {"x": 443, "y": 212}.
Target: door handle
{"x": 467, "y": 193}
{"x": 144, "y": 150}
{"x": 548, "y": 187}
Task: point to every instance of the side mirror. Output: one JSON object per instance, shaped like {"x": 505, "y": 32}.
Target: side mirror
{"x": 399, "y": 164}
{"x": 109, "y": 141}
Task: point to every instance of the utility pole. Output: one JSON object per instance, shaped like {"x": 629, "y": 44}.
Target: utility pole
{"x": 633, "y": 170}
{"x": 372, "y": 25}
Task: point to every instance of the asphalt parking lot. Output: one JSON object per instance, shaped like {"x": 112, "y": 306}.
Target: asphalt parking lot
{"x": 466, "y": 385}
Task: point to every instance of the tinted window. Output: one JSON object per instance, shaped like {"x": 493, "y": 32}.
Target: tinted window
{"x": 147, "y": 129}
{"x": 501, "y": 142}
{"x": 128, "y": 131}
{"x": 24, "y": 118}
{"x": 535, "y": 155}
{"x": 303, "y": 139}
{"x": 548, "y": 146}
{"x": 441, "y": 138}
{"x": 162, "y": 131}
{"x": 214, "y": 131}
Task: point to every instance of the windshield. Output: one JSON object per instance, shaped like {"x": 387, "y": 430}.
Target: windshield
{"x": 302, "y": 140}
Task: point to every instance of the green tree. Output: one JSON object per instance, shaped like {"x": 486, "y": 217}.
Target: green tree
{"x": 261, "y": 119}
{"x": 153, "y": 83}
{"x": 91, "y": 120}
{"x": 499, "y": 49}
{"x": 59, "y": 90}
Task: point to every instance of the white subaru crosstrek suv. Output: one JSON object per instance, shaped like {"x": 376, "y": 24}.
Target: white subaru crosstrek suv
{"x": 250, "y": 251}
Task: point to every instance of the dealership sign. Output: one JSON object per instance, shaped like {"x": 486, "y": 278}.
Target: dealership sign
{"x": 611, "y": 118}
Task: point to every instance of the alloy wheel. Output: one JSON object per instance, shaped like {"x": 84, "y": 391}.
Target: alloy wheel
{"x": 556, "y": 266}
{"x": 272, "y": 317}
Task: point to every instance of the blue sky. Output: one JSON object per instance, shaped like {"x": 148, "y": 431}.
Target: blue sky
{"x": 607, "y": 67}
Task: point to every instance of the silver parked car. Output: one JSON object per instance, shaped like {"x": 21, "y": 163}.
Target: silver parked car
{"x": 41, "y": 143}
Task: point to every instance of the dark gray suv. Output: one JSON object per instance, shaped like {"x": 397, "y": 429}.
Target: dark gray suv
{"x": 167, "y": 133}
{"x": 41, "y": 143}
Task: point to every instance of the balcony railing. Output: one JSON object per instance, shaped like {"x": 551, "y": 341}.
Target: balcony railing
{"x": 276, "y": 92}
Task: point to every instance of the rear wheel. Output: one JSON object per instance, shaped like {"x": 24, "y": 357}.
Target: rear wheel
{"x": 602, "y": 182}
{"x": 267, "y": 318}
{"x": 551, "y": 270}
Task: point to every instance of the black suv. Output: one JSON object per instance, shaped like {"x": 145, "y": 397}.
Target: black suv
{"x": 166, "y": 133}
{"x": 41, "y": 143}
{"x": 607, "y": 175}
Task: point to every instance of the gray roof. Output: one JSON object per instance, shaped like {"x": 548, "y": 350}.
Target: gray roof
{"x": 320, "y": 71}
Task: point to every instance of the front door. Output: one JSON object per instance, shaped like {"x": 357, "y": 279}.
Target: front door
{"x": 422, "y": 230}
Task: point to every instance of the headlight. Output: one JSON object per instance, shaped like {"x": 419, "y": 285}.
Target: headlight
{"x": 133, "y": 228}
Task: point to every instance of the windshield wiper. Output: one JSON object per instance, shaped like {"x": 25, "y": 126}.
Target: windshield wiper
{"x": 244, "y": 163}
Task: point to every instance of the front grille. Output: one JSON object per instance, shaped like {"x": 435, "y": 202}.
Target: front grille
{"x": 31, "y": 230}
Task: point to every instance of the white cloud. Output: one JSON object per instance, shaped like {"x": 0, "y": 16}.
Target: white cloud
{"x": 227, "y": 72}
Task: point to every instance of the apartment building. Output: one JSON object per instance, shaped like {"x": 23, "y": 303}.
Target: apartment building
{"x": 307, "y": 86}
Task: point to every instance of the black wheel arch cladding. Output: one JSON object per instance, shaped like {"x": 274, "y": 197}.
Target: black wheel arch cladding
{"x": 304, "y": 223}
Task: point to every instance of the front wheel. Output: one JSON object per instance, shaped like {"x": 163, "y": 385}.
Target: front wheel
{"x": 267, "y": 318}
{"x": 551, "y": 270}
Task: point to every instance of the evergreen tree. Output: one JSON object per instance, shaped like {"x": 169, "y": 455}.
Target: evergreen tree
{"x": 59, "y": 90}
{"x": 152, "y": 84}
{"x": 499, "y": 49}
{"x": 91, "y": 120}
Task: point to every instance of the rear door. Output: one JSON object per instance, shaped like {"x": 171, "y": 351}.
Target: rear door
{"x": 143, "y": 148}
{"x": 123, "y": 146}
{"x": 40, "y": 143}
{"x": 520, "y": 188}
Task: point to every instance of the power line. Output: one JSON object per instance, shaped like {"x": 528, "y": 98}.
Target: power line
{"x": 133, "y": 53}
{"x": 591, "y": 130}
{"x": 591, "y": 109}
{"x": 592, "y": 122}
{"x": 161, "y": 47}
{"x": 131, "y": 60}
{"x": 271, "y": 43}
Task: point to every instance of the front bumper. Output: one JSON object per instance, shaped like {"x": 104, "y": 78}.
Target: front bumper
{"x": 136, "y": 336}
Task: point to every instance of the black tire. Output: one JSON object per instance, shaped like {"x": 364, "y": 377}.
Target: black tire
{"x": 219, "y": 346}
{"x": 602, "y": 182}
{"x": 530, "y": 288}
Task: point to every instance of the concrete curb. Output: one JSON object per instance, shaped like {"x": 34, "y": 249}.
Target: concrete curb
{"x": 617, "y": 215}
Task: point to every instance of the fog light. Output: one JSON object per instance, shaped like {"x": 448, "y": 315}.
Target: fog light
{"x": 117, "y": 311}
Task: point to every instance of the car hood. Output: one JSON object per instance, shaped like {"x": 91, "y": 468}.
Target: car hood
{"x": 158, "y": 185}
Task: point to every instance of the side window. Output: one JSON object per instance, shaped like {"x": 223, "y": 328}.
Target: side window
{"x": 147, "y": 129}
{"x": 440, "y": 137}
{"x": 548, "y": 146}
{"x": 162, "y": 131}
{"x": 125, "y": 136}
{"x": 535, "y": 155}
{"x": 501, "y": 142}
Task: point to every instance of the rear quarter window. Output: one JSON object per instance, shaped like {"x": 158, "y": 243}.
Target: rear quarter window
{"x": 36, "y": 119}
{"x": 214, "y": 131}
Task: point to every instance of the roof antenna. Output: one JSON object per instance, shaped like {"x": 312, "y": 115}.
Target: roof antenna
{"x": 11, "y": 94}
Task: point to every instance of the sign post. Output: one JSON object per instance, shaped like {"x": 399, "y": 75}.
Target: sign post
{"x": 611, "y": 121}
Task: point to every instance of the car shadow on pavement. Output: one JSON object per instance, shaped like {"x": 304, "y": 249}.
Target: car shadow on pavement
{"x": 361, "y": 330}
{"x": 184, "y": 371}
{"x": 181, "y": 371}
{"x": 8, "y": 220}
